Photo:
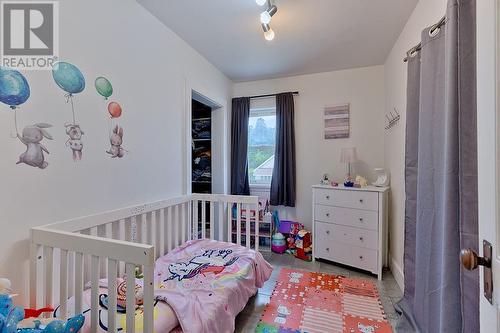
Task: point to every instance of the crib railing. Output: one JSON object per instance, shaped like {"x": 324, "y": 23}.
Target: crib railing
{"x": 68, "y": 254}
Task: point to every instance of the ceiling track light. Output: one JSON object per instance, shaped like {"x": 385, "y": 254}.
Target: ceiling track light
{"x": 268, "y": 32}
{"x": 265, "y": 17}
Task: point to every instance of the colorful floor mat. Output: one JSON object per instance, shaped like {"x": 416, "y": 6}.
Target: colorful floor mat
{"x": 309, "y": 302}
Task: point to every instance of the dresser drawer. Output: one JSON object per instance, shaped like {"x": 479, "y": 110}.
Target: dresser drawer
{"x": 348, "y": 255}
{"x": 364, "y": 258}
{"x": 347, "y": 198}
{"x": 347, "y": 235}
{"x": 357, "y": 218}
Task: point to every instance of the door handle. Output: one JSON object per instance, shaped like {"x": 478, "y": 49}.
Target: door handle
{"x": 471, "y": 261}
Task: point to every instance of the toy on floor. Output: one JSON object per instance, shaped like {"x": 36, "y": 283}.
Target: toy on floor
{"x": 14, "y": 319}
{"x": 51, "y": 325}
{"x": 303, "y": 244}
{"x": 278, "y": 243}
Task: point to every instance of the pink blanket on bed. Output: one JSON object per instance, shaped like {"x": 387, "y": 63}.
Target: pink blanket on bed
{"x": 207, "y": 283}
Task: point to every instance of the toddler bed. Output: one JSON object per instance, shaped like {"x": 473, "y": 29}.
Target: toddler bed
{"x": 200, "y": 285}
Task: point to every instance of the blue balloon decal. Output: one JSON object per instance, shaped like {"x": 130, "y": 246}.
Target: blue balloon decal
{"x": 14, "y": 88}
{"x": 68, "y": 77}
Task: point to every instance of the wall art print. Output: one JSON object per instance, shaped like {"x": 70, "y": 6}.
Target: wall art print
{"x": 337, "y": 124}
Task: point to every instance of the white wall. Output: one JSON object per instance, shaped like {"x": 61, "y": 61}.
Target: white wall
{"x": 426, "y": 13}
{"x": 148, "y": 66}
{"x": 364, "y": 89}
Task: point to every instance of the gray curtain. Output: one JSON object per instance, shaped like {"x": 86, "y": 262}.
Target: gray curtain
{"x": 441, "y": 179}
{"x": 239, "y": 146}
{"x": 284, "y": 176}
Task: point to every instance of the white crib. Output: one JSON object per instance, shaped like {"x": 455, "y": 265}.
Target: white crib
{"x": 67, "y": 254}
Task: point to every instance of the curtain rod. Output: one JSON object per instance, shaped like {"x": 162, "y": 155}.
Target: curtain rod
{"x": 269, "y": 95}
{"x": 418, "y": 47}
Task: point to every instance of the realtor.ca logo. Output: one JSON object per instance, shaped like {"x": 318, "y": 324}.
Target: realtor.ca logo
{"x": 29, "y": 34}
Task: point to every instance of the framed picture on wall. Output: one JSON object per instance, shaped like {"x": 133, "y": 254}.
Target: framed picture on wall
{"x": 337, "y": 124}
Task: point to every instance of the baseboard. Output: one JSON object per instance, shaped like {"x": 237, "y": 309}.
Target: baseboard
{"x": 398, "y": 274}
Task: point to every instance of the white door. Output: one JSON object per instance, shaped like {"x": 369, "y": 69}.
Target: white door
{"x": 488, "y": 63}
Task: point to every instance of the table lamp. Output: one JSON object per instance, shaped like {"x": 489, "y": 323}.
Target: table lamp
{"x": 348, "y": 155}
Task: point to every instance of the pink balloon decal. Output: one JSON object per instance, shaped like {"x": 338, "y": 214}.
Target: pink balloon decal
{"x": 114, "y": 109}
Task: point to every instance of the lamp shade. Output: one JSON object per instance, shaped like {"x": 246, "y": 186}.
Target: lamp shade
{"x": 348, "y": 155}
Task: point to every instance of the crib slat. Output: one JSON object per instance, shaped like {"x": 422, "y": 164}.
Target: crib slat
{"x": 144, "y": 229}
{"x": 238, "y": 223}
{"x": 169, "y": 229}
{"x": 183, "y": 222}
{"x": 130, "y": 297}
{"x": 177, "y": 221}
{"x": 34, "y": 249}
{"x": 221, "y": 221}
{"x": 195, "y": 219}
{"x": 190, "y": 221}
{"x": 153, "y": 230}
{"x": 71, "y": 274}
{"x": 212, "y": 229}
{"x": 133, "y": 229}
{"x": 63, "y": 289}
{"x": 229, "y": 223}
{"x": 121, "y": 236}
{"x": 203, "y": 219}
{"x": 112, "y": 268}
{"x": 94, "y": 299}
{"x": 162, "y": 232}
{"x": 48, "y": 254}
{"x": 78, "y": 282}
{"x": 148, "y": 299}
{"x": 247, "y": 225}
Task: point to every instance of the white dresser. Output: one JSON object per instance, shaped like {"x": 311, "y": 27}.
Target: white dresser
{"x": 350, "y": 226}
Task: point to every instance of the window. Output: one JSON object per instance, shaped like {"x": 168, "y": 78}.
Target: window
{"x": 261, "y": 145}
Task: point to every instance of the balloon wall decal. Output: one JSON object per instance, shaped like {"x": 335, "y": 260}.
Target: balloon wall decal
{"x": 14, "y": 91}
{"x": 14, "y": 88}
{"x": 103, "y": 87}
{"x": 115, "y": 110}
{"x": 70, "y": 79}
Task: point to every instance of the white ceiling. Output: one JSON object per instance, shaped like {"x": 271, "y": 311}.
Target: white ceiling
{"x": 311, "y": 35}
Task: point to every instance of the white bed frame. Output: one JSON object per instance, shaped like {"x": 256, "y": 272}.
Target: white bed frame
{"x": 66, "y": 254}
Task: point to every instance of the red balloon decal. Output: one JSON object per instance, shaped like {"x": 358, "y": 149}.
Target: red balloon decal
{"x": 114, "y": 109}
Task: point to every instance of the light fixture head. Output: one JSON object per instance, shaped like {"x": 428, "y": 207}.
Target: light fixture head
{"x": 261, "y": 2}
{"x": 268, "y": 32}
{"x": 265, "y": 17}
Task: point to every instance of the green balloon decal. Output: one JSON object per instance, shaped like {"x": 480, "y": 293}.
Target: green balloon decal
{"x": 103, "y": 87}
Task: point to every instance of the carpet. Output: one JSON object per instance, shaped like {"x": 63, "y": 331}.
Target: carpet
{"x": 310, "y": 302}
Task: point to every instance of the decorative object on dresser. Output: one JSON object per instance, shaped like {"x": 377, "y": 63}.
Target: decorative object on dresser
{"x": 382, "y": 177}
{"x": 350, "y": 226}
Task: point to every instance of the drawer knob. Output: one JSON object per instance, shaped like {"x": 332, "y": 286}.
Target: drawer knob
{"x": 361, "y": 239}
{"x": 360, "y": 257}
{"x": 328, "y": 232}
{"x": 327, "y": 214}
{"x": 327, "y": 197}
{"x": 361, "y": 200}
{"x": 360, "y": 219}
{"x": 328, "y": 249}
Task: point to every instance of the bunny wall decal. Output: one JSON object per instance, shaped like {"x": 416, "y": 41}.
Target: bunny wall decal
{"x": 32, "y": 137}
